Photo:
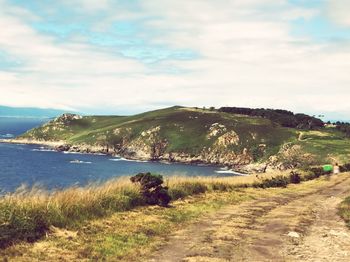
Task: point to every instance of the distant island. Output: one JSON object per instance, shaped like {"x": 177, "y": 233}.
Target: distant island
{"x": 32, "y": 112}
{"x": 247, "y": 140}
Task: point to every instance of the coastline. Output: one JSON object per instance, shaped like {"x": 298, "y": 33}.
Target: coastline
{"x": 62, "y": 146}
{"x": 32, "y": 142}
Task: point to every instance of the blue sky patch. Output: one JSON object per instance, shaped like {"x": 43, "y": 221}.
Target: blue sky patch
{"x": 8, "y": 62}
{"x": 128, "y": 38}
{"x": 320, "y": 30}
{"x": 308, "y": 3}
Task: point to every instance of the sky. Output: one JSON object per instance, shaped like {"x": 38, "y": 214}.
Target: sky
{"x": 127, "y": 56}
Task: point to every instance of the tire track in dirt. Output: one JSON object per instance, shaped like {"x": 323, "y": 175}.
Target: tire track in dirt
{"x": 256, "y": 230}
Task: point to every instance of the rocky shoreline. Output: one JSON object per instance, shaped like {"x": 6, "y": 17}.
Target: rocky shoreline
{"x": 62, "y": 146}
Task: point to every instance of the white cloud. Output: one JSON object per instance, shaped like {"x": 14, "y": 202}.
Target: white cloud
{"x": 338, "y": 11}
{"x": 247, "y": 57}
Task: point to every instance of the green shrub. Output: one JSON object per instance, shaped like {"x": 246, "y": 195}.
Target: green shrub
{"x": 151, "y": 189}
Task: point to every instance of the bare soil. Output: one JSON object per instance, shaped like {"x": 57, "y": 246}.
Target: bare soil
{"x": 298, "y": 225}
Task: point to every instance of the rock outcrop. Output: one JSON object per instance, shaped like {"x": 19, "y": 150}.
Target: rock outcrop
{"x": 67, "y": 118}
{"x": 149, "y": 145}
{"x": 290, "y": 156}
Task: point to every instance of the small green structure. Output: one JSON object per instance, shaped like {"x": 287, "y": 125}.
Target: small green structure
{"x": 327, "y": 168}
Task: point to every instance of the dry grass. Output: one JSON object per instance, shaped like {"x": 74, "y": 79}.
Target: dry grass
{"x": 131, "y": 235}
{"x": 28, "y": 214}
{"x": 232, "y": 181}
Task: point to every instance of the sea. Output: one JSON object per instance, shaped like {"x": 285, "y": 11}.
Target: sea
{"x": 35, "y": 165}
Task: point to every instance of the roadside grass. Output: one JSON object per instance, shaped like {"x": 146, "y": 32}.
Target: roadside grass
{"x": 123, "y": 236}
{"x": 28, "y": 214}
{"x": 344, "y": 210}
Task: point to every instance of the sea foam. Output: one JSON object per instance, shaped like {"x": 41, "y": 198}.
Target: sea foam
{"x": 128, "y": 160}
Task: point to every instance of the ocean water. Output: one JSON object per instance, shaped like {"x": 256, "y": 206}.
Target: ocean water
{"x": 13, "y": 126}
{"x": 36, "y": 165}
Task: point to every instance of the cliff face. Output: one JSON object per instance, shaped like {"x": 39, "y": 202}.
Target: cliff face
{"x": 149, "y": 145}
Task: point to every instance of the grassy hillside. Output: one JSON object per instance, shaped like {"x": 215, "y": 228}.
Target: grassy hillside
{"x": 194, "y": 135}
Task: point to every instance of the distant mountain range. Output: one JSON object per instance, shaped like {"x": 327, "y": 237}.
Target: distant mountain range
{"x": 6, "y": 111}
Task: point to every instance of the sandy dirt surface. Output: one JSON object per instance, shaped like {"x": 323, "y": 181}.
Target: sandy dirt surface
{"x": 300, "y": 225}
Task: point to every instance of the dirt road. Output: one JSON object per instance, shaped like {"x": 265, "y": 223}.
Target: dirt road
{"x": 298, "y": 225}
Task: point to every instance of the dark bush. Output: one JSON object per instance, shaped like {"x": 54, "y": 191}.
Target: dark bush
{"x": 151, "y": 189}
{"x": 278, "y": 181}
{"x": 282, "y": 117}
{"x": 318, "y": 171}
{"x": 345, "y": 168}
{"x": 343, "y": 127}
{"x": 294, "y": 177}
{"x": 309, "y": 175}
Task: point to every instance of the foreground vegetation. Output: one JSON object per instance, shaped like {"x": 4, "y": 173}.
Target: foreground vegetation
{"x": 123, "y": 236}
{"x": 131, "y": 235}
{"x": 28, "y": 215}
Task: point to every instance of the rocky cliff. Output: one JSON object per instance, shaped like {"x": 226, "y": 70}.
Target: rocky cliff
{"x": 179, "y": 134}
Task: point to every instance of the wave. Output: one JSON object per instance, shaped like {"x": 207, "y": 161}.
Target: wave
{"x": 97, "y": 154}
{"x": 225, "y": 172}
{"x": 165, "y": 162}
{"x": 228, "y": 171}
{"x": 80, "y": 153}
{"x": 41, "y": 149}
{"x": 7, "y": 135}
{"x": 79, "y": 162}
{"x": 75, "y": 153}
{"x": 128, "y": 160}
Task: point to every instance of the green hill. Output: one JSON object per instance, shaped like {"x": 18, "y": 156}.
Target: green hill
{"x": 194, "y": 135}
